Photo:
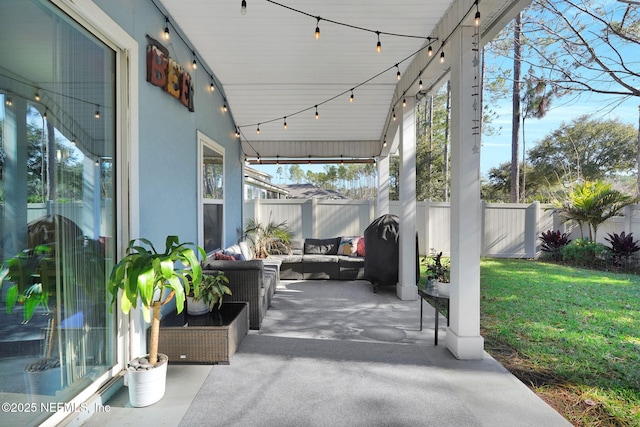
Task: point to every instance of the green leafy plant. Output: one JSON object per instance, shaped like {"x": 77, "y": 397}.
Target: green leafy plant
{"x": 212, "y": 289}
{"x": 584, "y": 252}
{"x": 592, "y": 203}
{"x": 20, "y": 270}
{"x": 269, "y": 238}
{"x": 437, "y": 268}
{"x": 152, "y": 279}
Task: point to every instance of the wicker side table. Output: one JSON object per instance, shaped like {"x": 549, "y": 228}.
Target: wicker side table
{"x": 198, "y": 340}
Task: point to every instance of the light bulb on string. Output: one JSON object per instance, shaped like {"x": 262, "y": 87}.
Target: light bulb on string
{"x": 442, "y": 57}
{"x": 476, "y": 19}
{"x": 430, "y": 51}
{"x": 224, "y": 107}
{"x": 166, "y": 34}
{"x": 317, "y": 115}
{"x": 237, "y": 132}
{"x": 318, "y": 28}
{"x": 212, "y": 86}
{"x": 404, "y": 102}
{"x": 97, "y": 113}
{"x": 37, "y": 96}
{"x": 351, "y": 98}
{"x": 9, "y": 101}
{"x": 379, "y": 45}
{"x": 258, "y": 129}
{"x": 44, "y": 116}
{"x": 243, "y": 7}
{"x": 420, "y": 83}
{"x": 394, "y": 114}
{"x": 284, "y": 125}
{"x": 398, "y": 73}
{"x": 194, "y": 64}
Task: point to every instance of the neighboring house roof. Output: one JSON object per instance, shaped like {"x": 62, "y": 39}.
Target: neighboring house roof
{"x": 310, "y": 191}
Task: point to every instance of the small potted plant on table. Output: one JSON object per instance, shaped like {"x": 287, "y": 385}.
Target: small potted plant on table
{"x": 152, "y": 279}
{"x": 212, "y": 289}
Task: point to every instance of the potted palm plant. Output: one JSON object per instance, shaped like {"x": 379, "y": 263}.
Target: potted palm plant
{"x": 151, "y": 279}
{"x": 213, "y": 288}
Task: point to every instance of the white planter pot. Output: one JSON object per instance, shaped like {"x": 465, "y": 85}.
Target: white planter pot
{"x": 196, "y": 308}
{"x": 443, "y": 288}
{"x": 146, "y": 387}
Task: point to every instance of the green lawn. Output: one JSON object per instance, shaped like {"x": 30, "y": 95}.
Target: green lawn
{"x": 576, "y": 331}
{"x": 571, "y": 334}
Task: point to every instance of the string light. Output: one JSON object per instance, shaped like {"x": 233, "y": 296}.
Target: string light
{"x": 420, "y": 82}
{"x": 97, "y": 114}
{"x": 317, "y": 115}
{"x": 318, "y": 28}
{"x": 285, "y": 123}
{"x": 379, "y": 45}
{"x": 476, "y": 20}
{"x": 258, "y": 129}
{"x": 442, "y": 57}
{"x": 194, "y": 64}
{"x": 394, "y": 114}
{"x": 398, "y": 73}
{"x": 44, "y": 116}
{"x": 243, "y": 7}
{"x": 8, "y": 101}
{"x": 166, "y": 34}
{"x": 37, "y": 96}
{"x": 224, "y": 106}
{"x": 351, "y": 98}
{"x": 355, "y": 27}
{"x": 404, "y": 102}
{"x": 237, "y": 132}
{"x": 212, "y": 86}
{"x": 430, "y": 51}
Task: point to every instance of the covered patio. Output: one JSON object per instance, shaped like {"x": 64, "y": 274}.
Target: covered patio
{"x": 334, "y": 82}
{"x": 335, "y": 354}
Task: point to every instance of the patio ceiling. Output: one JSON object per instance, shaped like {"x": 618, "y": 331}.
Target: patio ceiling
{"x": 270, "y": 65}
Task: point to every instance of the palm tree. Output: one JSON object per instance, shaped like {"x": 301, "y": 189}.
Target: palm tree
{"x": 592, "y": 203}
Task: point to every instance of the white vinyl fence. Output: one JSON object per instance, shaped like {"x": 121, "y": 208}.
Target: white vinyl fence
{"x": 510, "y": 230}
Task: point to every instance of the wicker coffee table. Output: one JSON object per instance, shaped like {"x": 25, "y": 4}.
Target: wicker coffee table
{"x": 200, "y": 339}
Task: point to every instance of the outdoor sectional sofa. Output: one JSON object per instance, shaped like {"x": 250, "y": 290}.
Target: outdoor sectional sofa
{"x": 335, "y": 258}
{"x": 255, "y": 280}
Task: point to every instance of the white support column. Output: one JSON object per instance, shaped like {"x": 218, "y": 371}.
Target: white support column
{"x": 407, "y": 289}
{"x": 463, "y": 335}
{"x": 383, "y": 186}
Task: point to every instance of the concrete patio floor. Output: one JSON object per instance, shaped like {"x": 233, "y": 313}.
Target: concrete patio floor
{"x": 336, "y": 354}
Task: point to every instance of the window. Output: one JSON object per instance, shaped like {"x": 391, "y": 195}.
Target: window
{"x": 57, "y": 210}
{"x": 212, "y": 193}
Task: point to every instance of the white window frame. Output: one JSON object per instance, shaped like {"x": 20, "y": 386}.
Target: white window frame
{"x": 204, "y": 140}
